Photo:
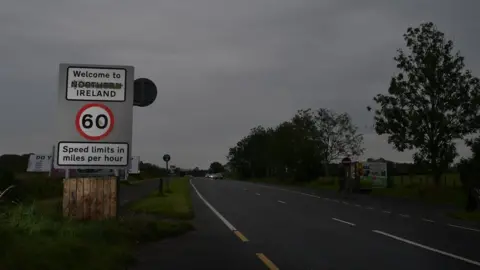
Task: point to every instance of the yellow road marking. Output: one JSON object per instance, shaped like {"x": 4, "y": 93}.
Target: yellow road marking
{"x": 241, "y": 236}
{"x": 267, "y": 262}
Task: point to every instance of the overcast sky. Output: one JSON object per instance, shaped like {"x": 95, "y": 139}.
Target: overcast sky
{"x": 221, "y": 66}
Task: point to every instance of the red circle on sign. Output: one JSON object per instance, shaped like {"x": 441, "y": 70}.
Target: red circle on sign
{"x": 78, "y": 120}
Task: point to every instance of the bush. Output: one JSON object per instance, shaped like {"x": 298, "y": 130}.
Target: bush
{"x": 7, "y": 179}
{"x": 33, "y": 186}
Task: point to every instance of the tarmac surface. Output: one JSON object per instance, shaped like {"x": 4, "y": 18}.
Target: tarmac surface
{"x": 241, "y": 225}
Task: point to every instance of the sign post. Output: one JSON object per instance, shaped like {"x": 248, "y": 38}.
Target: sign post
{"x": 345, "y": 186}
{"x": 94, "y": 121}
{"x": 166, "y": 158}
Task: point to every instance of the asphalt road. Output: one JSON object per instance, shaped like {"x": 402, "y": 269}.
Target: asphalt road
{"x": 247, "y": 226}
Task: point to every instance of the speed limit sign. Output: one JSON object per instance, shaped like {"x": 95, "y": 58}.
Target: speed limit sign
{"x": 94, "y": 121}
{"x": 94, "y": 116}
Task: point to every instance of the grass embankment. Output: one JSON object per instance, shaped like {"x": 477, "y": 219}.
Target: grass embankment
{"x": 175, "y": 204}
{"x": 35, "y": 236}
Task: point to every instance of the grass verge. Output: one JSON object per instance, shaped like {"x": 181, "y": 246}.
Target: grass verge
{"x": 443, "y": 196}
{"x": 175, "y": 204}
{"x": 35, "y": 236}
{"x": 32, "y": 240}
{"x": 462, "y": 215}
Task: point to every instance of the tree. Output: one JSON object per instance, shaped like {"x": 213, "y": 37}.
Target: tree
{"x": 432, "y": 101}
{"x": 289, "y": 150}
{"x": 216, "y": 167}
{"x": 151, "y": 170}
{"x": 338, "y": 136}
{"x": 14, "y": 163}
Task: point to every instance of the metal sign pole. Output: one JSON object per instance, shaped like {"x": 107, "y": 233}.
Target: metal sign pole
{"x": 51, "y": 164}
{"x": 168, "y": 177}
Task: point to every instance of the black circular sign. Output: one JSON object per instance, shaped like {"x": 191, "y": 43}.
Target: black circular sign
{"x": 166, "y": 158}
{"x": 144, "y": 93}
{"x": 346, "y": 161}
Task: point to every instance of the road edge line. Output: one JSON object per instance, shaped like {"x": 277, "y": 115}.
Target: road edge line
{"x": 224, "y": 220}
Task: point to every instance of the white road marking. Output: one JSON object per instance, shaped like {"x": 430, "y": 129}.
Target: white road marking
{"x": 258, "y": 194}
{"x": 346, "y": 203}
{"x": 293, "y": 191}
{"x": 404, "y": 215}
{"x": 224, "y": 220}
{"x": 464, "y": 228}
{"x": 428, "y": 248}
{"x": 343, "y": 221}
{"x": 428, "y": 220}
{"x": 370, "y": 208}
{"x": 337, "y": 201}
{"x": 310, "y": 195}
{"x": 326, "y": 199}
{"x": 358, "y": 205}
{"x": 386, "y": 212}
{"x": 282, "y": 202}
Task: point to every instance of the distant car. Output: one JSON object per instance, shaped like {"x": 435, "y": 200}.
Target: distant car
{"x": 214, "y": 176}
{"x": 218, "y": 176}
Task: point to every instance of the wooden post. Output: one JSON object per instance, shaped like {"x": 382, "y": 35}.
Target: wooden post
{"x": 90, "y": 198}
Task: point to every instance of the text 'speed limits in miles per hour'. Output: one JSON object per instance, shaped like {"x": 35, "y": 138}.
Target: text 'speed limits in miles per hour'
{"x": 93, "y": 154}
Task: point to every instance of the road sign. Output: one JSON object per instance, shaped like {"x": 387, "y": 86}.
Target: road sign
{"x": 346, "y": 161}
{"x": 94, "y": 117}
{"x": 43, "y": 163}
{"x": 134, "y": 165}
{"x": 94, "y": 121}
{"x": 96, "y": 83}
{"x": 376, "y": 173}
{"x": 39, "y": 163}
{"x": 166, "y": 157}
{"x": 145, "y": 92}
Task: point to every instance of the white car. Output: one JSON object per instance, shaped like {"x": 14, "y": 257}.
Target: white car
{"x": 214, "y": 176}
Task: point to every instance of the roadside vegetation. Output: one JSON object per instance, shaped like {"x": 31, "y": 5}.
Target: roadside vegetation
{"x": 432, "y": 102}
{"x": 173, "y": 204}
{"x": 34, "y": 235}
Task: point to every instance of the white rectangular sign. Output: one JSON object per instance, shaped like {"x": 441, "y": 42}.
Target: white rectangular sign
{"x": 93, "y": 154}
{"x": 134, "y": 164}
{"x": 43, "y": 163}
{"x": 91, "y": 84}
{"x": 39, "y": 163}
